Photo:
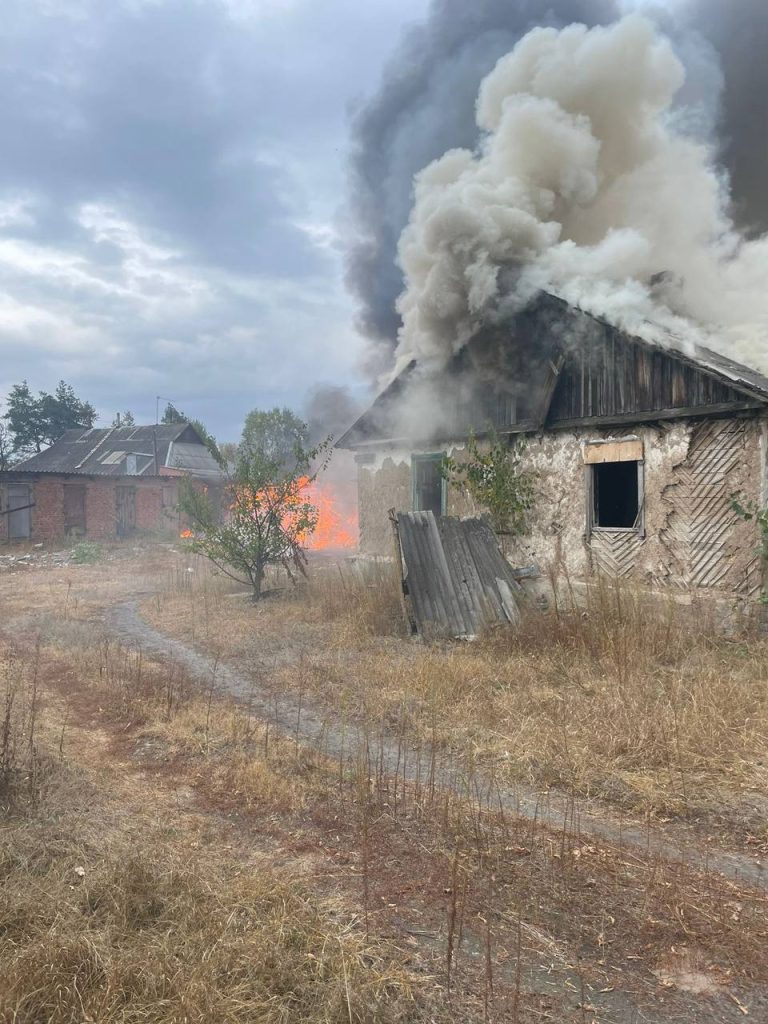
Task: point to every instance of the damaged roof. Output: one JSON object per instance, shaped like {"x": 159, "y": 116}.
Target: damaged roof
{"x": 125, "y": 451}
{"x": 558, "y": 366}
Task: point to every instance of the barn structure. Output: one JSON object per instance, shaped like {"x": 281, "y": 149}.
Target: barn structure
{"x": 104, "y": 483}
{"x": 639, "y": 449}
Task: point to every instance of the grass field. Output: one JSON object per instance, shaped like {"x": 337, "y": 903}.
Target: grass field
{"x": 169, "y": 855}
{"x": 647, "y": 708}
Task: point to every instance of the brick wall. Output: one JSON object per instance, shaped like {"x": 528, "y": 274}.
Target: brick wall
{"x": 154, "y": 507}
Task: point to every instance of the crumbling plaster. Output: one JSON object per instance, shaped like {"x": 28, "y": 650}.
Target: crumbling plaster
{"x": 557, "y": 540}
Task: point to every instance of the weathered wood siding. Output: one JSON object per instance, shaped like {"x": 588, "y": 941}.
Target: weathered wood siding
{"x": 613, "y": 377}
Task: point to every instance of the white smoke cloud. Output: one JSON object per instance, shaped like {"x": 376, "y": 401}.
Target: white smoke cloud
{"x": 586, "y": 185}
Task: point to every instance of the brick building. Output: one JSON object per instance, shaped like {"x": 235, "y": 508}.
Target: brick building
{"x": 104, "y": 484}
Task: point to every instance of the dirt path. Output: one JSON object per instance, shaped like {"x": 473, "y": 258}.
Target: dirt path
{"x": 392, "y": 757}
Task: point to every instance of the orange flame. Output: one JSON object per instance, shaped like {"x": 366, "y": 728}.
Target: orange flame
{"x": 337, "y": 523}
{"x": 336, "y": 504}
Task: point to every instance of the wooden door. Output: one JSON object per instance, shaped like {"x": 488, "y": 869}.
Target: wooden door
{"x": 428, "y": 484}
{"x": 74, "y": 510}
{"x": 126, "y": 510}
{"x": 19, "y": 519}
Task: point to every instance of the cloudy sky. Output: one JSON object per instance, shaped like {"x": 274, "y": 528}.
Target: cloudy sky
{"x": 171, "y": 175}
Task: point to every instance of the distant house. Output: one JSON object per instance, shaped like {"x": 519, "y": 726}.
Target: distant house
{"x": 638, "y": 449}
{"x": 104, "y": 483}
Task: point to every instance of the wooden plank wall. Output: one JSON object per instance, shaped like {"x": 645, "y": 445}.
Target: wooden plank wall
{"x": 709, "y": 545}
{"x": 611, "y": 376}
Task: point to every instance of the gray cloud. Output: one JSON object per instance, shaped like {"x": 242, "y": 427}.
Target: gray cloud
{"x": 168, "y": 185}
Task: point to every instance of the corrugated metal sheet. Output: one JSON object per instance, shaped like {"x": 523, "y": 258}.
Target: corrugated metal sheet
{"x": 104, "y": 452}
{"x": 457, "y": 580}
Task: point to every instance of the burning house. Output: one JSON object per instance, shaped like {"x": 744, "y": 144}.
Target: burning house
{"x": 577, "y": 278}
{"x": 638, "y": 449}
{"x": 104, "y": 483}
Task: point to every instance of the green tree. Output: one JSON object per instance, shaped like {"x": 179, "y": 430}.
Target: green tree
{"x": 273, "y": 437}
{"x": 124, "y": 419}
{"x": 270, "y": 515}
{"x": 172, "y": 415}
{"x": 493, "y": 475}
{"x": 36, "y": 422}
{"x": 23, "y": 417}
{"x": 6, "y": 448}
{"x": 208, "y": 440}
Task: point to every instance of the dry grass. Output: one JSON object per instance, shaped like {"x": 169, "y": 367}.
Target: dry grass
{"x": 109, "y": 909}
{"x": 646, "y": 705}
{"x": 102, "y": 927}
{"x": 172, "y": 920}
{"x": 23, "y": 766}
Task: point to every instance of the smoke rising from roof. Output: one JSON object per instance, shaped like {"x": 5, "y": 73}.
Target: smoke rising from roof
{"x": 582, "y": 186}
{"x": 328, "y": 410}
{"x": 426, "y": 107}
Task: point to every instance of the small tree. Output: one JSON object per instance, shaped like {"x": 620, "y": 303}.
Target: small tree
{"x": 270, "y": 514}
{"x": 494, "y": 477}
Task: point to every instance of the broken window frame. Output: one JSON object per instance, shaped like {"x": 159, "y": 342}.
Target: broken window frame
{"x": 422, "y": 459}
{"x": 590, "y": 490}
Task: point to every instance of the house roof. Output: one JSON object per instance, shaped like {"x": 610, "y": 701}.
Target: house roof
{"x": 552, "y": 324}
{"x": 105, "y": 451}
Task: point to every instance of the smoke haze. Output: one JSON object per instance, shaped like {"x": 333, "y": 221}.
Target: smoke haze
{"x": 582, "y": 186}
{"x": 426, "y": 107}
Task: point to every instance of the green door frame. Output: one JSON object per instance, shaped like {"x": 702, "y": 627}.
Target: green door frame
{"x": 428, "y": 457}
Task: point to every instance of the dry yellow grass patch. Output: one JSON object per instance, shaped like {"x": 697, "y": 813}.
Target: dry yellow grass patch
{"x": 107, "y": 924}
{"x": 637, "y": 701}
{"x": 115, "y": 908}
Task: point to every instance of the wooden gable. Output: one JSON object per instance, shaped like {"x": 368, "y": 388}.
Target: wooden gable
{"x": 610, "y": 377}
{"x": 552, "y": 366}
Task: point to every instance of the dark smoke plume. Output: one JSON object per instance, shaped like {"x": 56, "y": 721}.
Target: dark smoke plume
{"x": 426, "y": 105}
{"x": 329, "y": 409}
{"x": 738, "y": 30}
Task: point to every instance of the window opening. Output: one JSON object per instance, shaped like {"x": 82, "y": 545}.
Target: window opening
{"x": 616, "y": 495}
{"x": 506, "y": 409}
{"x": 428, "y": 484}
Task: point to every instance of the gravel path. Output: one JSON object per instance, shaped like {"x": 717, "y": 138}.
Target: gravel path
{"x": 315, "y": 728}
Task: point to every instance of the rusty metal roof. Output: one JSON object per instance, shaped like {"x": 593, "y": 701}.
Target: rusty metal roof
{"x": 455, "y": 575}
